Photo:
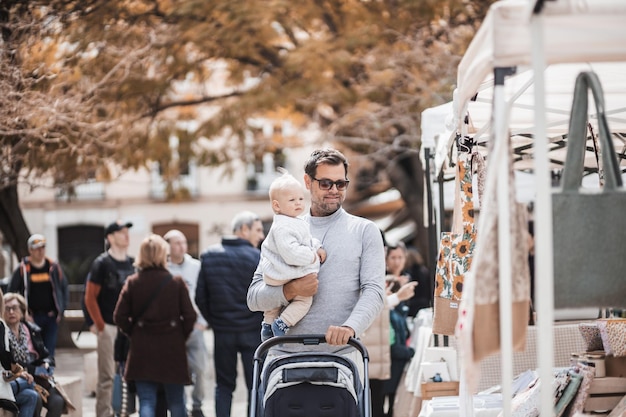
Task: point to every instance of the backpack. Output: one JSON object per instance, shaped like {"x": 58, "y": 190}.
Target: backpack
{"x": 101, "y": 258}
{"x": 88, "y": 320}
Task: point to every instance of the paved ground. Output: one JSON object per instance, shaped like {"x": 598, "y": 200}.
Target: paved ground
{"x": 71, "y": 362}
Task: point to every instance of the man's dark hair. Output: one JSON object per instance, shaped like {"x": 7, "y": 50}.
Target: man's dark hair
{"x": 324, "y": 156}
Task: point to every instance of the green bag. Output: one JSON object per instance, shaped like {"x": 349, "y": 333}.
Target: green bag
{"x": 589, "y": 225}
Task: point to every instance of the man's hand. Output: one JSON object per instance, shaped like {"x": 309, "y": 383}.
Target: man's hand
{"x": 304, "y": 287}
{"x": 339, "y": 335}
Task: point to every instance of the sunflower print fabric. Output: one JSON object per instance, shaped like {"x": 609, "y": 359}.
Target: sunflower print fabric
{"x": 455, "y": 253}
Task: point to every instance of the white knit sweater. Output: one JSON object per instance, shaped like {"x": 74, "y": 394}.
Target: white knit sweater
{"x": 289, "y": 251}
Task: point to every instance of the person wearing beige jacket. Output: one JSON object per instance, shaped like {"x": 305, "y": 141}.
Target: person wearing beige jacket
{"x": 377, "y": 340}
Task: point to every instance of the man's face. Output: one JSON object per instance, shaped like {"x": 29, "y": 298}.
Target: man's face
{"x": 178, "y": 248}
{"x": 119, "y": 239}
{"x": 253, "y": 234}
{"x": 326, "y": 202}
{"x": 37, "y": 255}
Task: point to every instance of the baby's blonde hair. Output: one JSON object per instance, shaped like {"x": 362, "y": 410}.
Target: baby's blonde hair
{"x": 285, "y": 181}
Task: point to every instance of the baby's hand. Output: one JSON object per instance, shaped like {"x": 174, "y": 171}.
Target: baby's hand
{"x": 321, "y": 252}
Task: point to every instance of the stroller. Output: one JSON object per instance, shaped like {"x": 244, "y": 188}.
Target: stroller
{"x": 309, "y": 384}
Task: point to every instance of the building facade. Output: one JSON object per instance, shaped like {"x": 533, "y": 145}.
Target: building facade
{"x": 74, "y": 225}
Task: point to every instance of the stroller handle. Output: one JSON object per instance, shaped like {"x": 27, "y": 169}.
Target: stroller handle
{"x": 307, "y": 340}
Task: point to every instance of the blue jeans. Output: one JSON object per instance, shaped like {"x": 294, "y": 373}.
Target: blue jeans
{"x": 197, "y": 359}
{"x": 227, "y": 346}
{"x": 49, "y": 330}
{"x": 147, "y": 393}
{"x": 25, "y": 396}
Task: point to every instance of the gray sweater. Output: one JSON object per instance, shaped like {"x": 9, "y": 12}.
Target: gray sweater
{"x": 189, "y": 270}
{"x": 351, "y": 280}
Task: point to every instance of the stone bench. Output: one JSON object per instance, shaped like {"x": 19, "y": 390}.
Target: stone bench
{"x": 73, "y": 321}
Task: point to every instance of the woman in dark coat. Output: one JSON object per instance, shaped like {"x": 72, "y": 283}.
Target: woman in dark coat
{"x": 154, "y": 309}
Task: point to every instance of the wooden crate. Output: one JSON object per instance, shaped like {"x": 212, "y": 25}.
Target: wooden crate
{"x": 439, "y": 389}
{"x": 605, "y": 394}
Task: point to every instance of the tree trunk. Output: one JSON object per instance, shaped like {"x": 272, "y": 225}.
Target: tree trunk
{"x": 407, "y": 176}
{"x": 12, "y": 223}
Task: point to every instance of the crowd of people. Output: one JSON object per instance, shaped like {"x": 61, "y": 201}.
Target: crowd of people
{"x": 32, "y": 308}
{"x": 319, "y": 271}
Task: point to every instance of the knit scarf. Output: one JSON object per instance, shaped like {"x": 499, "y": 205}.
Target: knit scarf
{"x": 19, "y": 346}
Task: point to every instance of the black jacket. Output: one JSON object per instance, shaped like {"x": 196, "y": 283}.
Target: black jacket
{"x": 60, "y": 290}
{"x": 225, "y": 275}
{"x": 5, "y": 354}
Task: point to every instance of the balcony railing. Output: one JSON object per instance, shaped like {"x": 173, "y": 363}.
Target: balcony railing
{"x": 92, "y": 190}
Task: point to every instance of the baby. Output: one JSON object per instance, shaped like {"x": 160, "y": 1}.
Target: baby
{"x": 288, "y": 252}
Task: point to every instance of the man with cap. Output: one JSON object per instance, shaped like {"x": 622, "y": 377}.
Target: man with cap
{"x": 42, "y": 282}
{"x": 106, "y": 278}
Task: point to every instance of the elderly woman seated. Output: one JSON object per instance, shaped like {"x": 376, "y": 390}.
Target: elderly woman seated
{"x": 28, "y": 350}
{"x": 22, "y": 396}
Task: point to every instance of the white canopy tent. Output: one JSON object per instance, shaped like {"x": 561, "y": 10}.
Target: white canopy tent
{"x": 439, "y": 129}
{"x": 520, "y": 98}
{"x": 574, "y": 31}
{"x": 564, "y": 38}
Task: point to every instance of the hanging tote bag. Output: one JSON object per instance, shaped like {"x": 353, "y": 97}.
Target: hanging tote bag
{"x": 589, "y": 225}
{"x": 486, "y": 330}
{"x": 456, "y": 247}
{"x": 478, "y": 327}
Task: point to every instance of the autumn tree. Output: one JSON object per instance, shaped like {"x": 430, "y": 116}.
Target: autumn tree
{"x": 96, "y": 86}
{"x": 49, "y": 134}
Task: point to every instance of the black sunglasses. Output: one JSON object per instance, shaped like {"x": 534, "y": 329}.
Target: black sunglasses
{"x": 326, "y": 184}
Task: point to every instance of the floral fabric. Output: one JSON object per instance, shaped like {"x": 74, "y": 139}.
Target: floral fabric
{"x": 456, "y": 247}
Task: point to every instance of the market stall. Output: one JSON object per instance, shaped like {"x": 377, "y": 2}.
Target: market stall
{"x": 516, "y": 79}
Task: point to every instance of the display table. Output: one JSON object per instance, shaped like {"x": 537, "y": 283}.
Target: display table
{"x": 487, "y": 405}
{"x": 567, "y": 339}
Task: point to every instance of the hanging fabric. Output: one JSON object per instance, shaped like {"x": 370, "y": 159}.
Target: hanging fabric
{"x": 486, "y": 337}
{"x": 478, "y": 328}
{"x": 457, "y": 246}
